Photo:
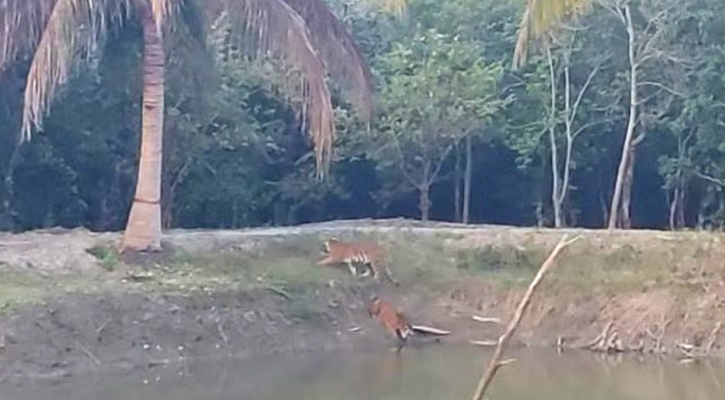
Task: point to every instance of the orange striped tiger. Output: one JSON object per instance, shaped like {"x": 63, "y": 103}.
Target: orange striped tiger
{"x": 393, "y": 320}
{"x": 371, "y": 255}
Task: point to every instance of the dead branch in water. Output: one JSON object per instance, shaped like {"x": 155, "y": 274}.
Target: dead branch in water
{"x": 496, "y": 361}
{"x": 486, "y": 343}
{"x": 609, "y": 341}
{"x": 430, "y": 330}
{"x": 691, "y": 352}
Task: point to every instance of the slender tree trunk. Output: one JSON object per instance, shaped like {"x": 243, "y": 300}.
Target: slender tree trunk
{"x": 625, "y": 216}
{"x": 602, "y": 198}
{"x": 682, "y": 196}
{"x": 6, "y": 213}
{"x": 424, "y": 202}
{"x": 143, "y": 229}
{"x": 467, "y": 175}
{"x": 539, "y": 212}
{"x": 554, "y": 148}
{"x": 424, "y": 193}
{"x": 631, "y": 125}
{"x": 457, "y": 178}
{"x": 673, "y": 209}
{"x": 677, "y": 207}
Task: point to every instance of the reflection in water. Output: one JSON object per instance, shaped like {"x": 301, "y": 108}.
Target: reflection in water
{"x": 438, "y": 372}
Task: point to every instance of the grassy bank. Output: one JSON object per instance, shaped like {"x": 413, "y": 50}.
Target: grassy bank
{"x": 639, "y": 281}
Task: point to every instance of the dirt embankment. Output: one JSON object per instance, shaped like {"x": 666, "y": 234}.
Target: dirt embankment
{"x": 70, "y": 306}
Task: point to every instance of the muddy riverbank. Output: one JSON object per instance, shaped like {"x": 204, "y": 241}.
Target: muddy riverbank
{"x": 71, "y": 304}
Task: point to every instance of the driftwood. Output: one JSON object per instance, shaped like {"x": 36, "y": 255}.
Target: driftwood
{"x": 429, "y": 330}
{"x": 496, "y": 361}
{"x": 609, "y": 341}
{"x": 691, "y": 352}
{"x": 486, "y": 319}
{"x": 485, "y": 343}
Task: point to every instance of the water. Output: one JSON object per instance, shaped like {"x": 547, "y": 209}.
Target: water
{"x": 438, "y": 372}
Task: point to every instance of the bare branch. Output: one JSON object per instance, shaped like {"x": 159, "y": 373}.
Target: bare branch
{"x": 586, "y": 126}
{"x": 662, "y": 87}
{"x": 441, "y": 160}
{"x": 496, "y": 360}
{"x": 709, "y": 178}
{"x": 583, "y": 90}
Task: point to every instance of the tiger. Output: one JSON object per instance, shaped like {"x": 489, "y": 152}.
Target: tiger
{"x": 371, "y": 255}
{"x": 393, "y": 320}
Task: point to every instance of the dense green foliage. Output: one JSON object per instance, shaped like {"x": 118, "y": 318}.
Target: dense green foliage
{"x": 234, "y": 156}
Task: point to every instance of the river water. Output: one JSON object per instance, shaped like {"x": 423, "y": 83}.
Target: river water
{"x": 436, "y": 372}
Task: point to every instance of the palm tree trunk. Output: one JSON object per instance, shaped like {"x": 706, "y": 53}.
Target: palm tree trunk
{"x": 143, "y": 229}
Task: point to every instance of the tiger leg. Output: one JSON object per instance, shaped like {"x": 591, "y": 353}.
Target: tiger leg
{"x": 400, "y": 342}
{"x": 368, "y": 266}
{"x": 351, "y": 267}
{"x": 390, "y": 276}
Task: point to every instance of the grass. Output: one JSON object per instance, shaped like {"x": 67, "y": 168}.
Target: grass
{"x": 596, "y": 264}
{"x": 107, "y": 256}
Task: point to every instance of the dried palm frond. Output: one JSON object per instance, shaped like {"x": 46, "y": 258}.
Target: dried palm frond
{"x": 339, "y": 52}
{"x": 21, "y": 24}
{"x": 275, "y": 29}
{"x": 71, "y": 27}
{"x": 162, "y": 9}
{"x": 540, "y": 18}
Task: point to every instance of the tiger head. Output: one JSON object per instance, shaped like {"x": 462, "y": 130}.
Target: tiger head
{"x": 329, "y": 244}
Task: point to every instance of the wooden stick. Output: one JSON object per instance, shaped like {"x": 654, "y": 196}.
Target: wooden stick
{"x": 496, "y": 362}
{"x": 486, "y": 319}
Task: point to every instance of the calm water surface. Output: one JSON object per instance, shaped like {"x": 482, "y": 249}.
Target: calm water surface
{"x": 439, "y": 372}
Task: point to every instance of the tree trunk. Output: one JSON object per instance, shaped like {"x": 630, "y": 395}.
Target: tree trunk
{"x": 673, "y": 209}
{"x": 457, "y": 178}
{"x": 677, "y": 208}
{"x": 555, "y": 176}
{"x": 6, "y": 213}
{"x": 424, "y": 190}
{"x": 467, "y": 175}
{"x": 143, "y": 229}
{"x": 629, "y": 135}
{"x": 625, "y": 216}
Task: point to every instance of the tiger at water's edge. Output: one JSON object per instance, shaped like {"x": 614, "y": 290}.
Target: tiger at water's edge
{"x": 393, "y": 320}
{"x": 371, "y": 255}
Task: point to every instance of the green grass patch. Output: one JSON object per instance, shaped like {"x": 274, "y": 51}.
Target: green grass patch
{"x": 107, "y": 256}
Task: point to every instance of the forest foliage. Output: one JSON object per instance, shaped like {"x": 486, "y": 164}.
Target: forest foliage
{"x": 457, "y": 134}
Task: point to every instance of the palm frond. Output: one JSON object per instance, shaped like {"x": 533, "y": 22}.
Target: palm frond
{"x": 72, "y": 27}
{"x": 540, "y": 18}
{"x": 275, "y": 29}
{"x": 21, "y": 24}
{"x": 338, "y": 50}
{"x": 162, "y": 9}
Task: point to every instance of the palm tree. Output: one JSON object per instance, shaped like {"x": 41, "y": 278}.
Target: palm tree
{"x": 304, "y": 34}
{"x": 540, "y": 17}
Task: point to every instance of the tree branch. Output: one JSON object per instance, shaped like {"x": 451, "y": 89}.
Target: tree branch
{"x": 496, "y": 360}
{"x": 579, "y": 97}
{"x": 709, "y": 178}
{"x": 662, "y": 87}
